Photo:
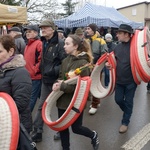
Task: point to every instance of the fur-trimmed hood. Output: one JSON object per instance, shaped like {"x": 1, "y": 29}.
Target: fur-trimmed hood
{"x": 17, "y": 61}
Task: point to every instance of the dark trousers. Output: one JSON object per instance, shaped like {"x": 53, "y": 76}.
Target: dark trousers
{"x": 36, "y": 90}
{"x": 148, "y": 85}
{"x": 38, "y": 120}
{"x": 124, "y": 94}
{"x": 106, "y": 79}
{"x": 77, "y": 128}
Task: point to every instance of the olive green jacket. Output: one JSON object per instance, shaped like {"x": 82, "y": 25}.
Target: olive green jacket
{"x": 71, "y": 63}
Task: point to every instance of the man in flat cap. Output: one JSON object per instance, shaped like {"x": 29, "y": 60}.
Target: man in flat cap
{"x": 52, "y": 55}
{"x": 79, "y": 32}
{"x": 125, "y": 85}
{"x": 16, "y": 33}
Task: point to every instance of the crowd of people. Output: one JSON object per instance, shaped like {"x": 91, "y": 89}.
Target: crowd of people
{"x": 31, "y": 68}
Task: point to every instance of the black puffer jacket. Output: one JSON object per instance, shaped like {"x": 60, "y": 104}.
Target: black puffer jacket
{"x": 15, "y": 80}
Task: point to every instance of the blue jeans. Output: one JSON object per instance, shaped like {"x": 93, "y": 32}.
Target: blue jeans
{"x": 38, "y": 121}
{"x": 106, "y": 80}
{"x": 36, "y": 90}
{"x": 124, "y": 94}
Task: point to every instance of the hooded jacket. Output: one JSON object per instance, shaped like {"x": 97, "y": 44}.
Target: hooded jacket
{"x": 15, "y": 81}
{"x": 71, "y": 63}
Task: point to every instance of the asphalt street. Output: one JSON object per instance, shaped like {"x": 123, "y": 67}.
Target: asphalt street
{"x": 106, "y": 122}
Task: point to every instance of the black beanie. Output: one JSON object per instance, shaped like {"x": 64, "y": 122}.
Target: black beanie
{"x": 93, "y": 27}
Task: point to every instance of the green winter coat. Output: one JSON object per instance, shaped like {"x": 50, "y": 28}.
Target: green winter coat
{"x": 71, "y": 63}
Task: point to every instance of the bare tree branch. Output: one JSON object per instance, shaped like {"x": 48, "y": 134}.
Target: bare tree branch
{"x": 38, "y": 9}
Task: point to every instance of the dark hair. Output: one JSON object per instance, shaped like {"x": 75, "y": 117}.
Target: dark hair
{"x": 7, "y": 42}
{"x": 83, "y": 45}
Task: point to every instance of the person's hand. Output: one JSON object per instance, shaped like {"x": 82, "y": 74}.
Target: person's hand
{"x": 108, "y": 66}
{"x": 56, "y": 86}
{"x": 148, "y": 62}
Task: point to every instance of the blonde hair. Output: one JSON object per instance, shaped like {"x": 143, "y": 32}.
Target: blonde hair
{"x": 83, "y": 46}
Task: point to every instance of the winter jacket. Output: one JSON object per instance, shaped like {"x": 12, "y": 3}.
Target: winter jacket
{"x": 52, "y": 55}
{"x": 123, "y": 70}
{"x": 98, "y": 46}
{"x": 68, "y": 64}
{"x": 20, "y": 44}
{"x": 32, "y": 56}
{"x": 15, "y": 81}
{"x": 111, "y": 46}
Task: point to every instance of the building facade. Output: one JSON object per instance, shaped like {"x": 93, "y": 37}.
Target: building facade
{"x": 139, "y": 12}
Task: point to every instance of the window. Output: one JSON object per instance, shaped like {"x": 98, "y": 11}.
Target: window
{"x": 133, "y": 11}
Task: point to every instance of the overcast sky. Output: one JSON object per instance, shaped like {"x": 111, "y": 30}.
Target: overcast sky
{"x": 118, "y": 3}
{"x": 109, "y": 3}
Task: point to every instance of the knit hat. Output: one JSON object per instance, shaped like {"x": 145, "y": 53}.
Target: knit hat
{"x": 93, "y": 27}
{"x": 108, "y": 35}
{"x": 79, "y": 31}
{"x": 47, "y": 23}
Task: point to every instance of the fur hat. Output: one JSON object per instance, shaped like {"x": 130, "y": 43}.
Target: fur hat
{"x": 125, "y": 28}
{"x": 93, "y": 27}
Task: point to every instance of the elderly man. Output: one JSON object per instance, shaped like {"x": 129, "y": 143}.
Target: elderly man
{"x": 79, "y": 32}
{"x": 15, "y": 32}
{"x": 52, "y": 55}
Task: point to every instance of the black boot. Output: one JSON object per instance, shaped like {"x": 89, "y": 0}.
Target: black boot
{"x": 57, "y": 136}
{"x": 37, "y": 137}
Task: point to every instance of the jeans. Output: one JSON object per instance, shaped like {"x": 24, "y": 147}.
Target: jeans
{"x": 106, "y": 80}
{"x": 76, "y": 128}
{"x": 124, "y": 94}
{"x": 38, "y": 121}
{"x": 36, "y": 90}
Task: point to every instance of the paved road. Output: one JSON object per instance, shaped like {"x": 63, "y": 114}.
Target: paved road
{"x": 107, "y": 122}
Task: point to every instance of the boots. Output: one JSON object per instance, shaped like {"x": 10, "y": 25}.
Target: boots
{"x": 57, "y": 136}
{"x": 37, "y": 137}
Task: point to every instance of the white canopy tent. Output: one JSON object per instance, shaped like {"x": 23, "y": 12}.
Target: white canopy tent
{"x": 100, "y": 15}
